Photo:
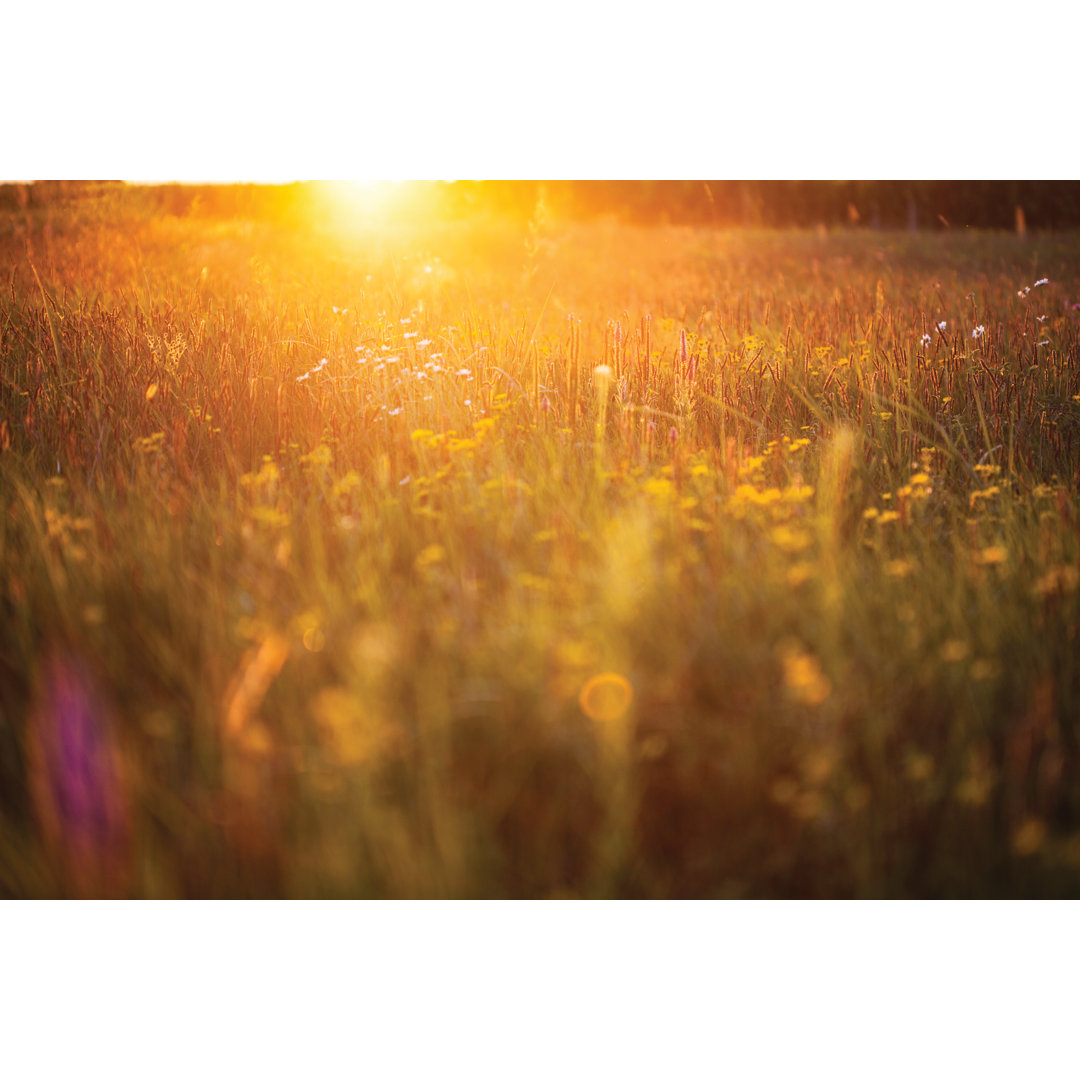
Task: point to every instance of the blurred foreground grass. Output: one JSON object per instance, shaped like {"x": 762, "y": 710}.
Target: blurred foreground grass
{"x": 497, "y": 560}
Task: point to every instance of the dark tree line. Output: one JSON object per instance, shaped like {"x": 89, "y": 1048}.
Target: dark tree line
{"x": 884, "y": 204}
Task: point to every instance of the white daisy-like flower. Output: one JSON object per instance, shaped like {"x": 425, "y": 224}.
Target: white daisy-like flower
{"x": 978, "y": 331}
{"x": 410, "y": 335}
{"x": 395, "y": 412}
{"x": 941, "y": 325}
{"x": 464, "y": 371}
{"x": 925, "y": 339}
{"x": 422, "y": 344}
{"x": 1041, "y": 281}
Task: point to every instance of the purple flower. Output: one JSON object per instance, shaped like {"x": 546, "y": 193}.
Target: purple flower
{"x": 76, "y": 778}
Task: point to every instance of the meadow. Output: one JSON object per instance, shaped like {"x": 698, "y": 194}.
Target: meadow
{"x": 516, "y": 557}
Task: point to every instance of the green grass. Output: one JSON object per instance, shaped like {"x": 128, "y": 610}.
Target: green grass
{"x": 324, "y": 629}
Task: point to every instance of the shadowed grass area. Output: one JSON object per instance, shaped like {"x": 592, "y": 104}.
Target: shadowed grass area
{"x": 495, "y": 559}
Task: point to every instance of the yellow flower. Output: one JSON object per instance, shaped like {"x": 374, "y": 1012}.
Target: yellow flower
{"x": 433, "y": 553}
{"x": 803, "y": 677}
{"x": 954, "y": 650}
{"x": 321, "y": 455}
{"x": 1029, "y": 838}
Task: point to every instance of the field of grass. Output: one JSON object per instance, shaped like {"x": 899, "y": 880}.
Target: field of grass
{"x": 504, "y": 559}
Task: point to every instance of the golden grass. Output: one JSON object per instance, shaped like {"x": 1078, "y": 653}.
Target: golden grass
{"x": 482, "y": 559}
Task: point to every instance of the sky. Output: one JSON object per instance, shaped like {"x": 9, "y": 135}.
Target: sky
{"x": 212, "y": 91}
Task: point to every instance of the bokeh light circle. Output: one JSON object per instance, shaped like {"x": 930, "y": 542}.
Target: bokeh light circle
{"x": 606, "y": 697}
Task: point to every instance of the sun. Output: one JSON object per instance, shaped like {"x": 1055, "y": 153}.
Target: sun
{"x": 360, "y": 202}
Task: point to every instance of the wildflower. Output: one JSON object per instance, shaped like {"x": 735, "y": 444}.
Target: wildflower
{"x": 803, "y": 677}
{"x": 463, "y": 372}
{"x": 925, "y": 339}
{"x": 433, "y": 553}
{"x": 1029, "y": 837}
{"x": 992, "y": 556}
{"x": 77, "y": 779}
{"x": 954, "y": 651}
{"x": 978, "y": 331}
{"x": 1041, "y": 281}
{"x": 941, "y": 325}
{"x": 918, "y": 767}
